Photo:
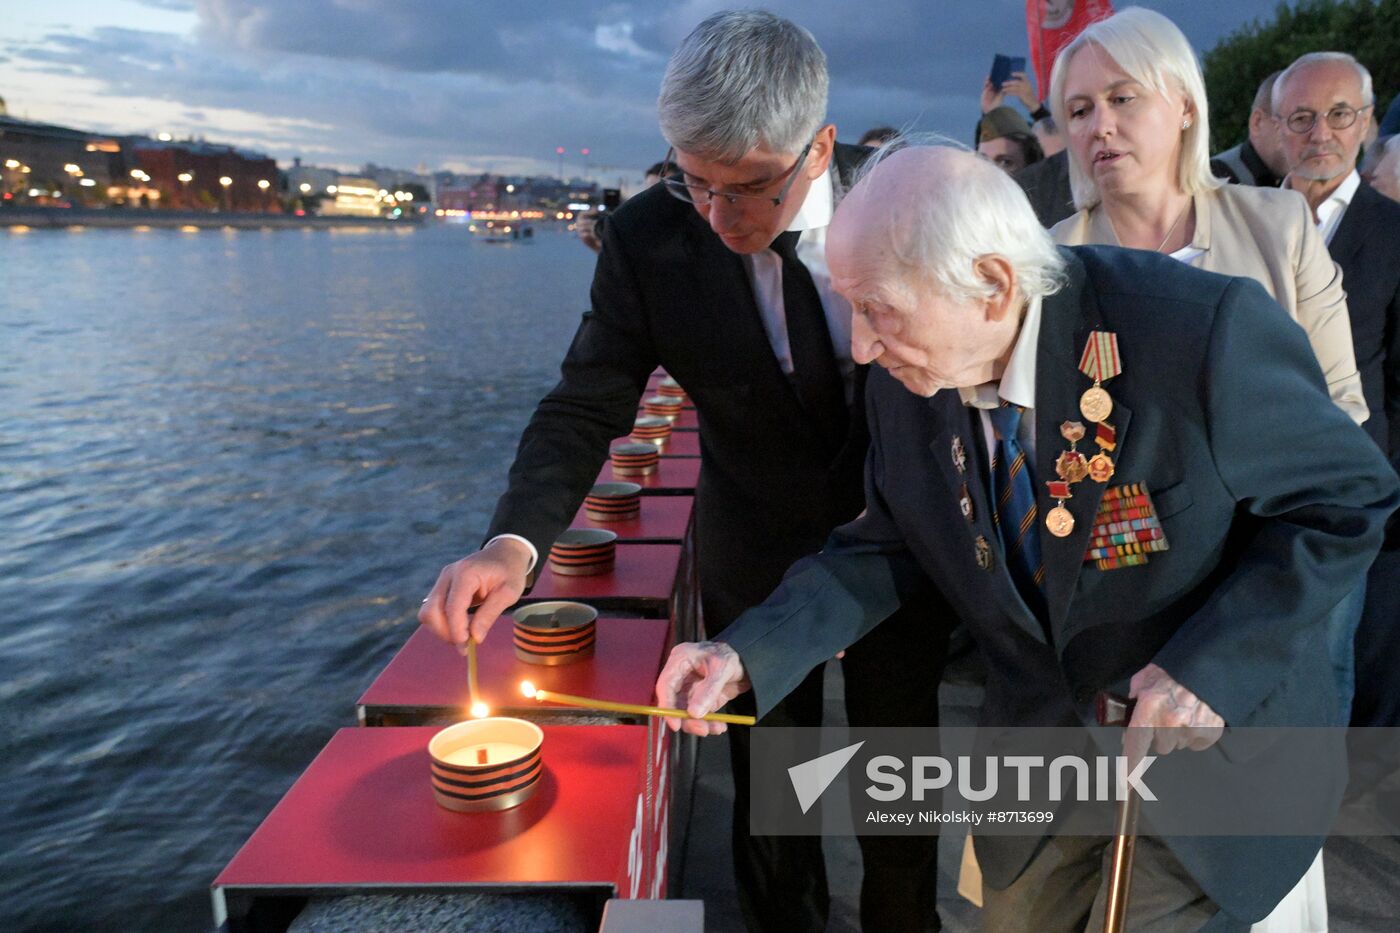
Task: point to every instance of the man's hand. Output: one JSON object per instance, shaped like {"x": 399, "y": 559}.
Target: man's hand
{"x": 1019, "y": 86}
{"x": 700, "y": 677}
{"x": 493, "y": 577}
{"x": 586, "y": 226}
{"x": 1167, "y": 717}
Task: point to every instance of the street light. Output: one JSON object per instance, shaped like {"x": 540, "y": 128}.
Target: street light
{"x": 11, "y": 163}
{"x": 185, "y": 179}
{"x": 263, "y": 183}
{"x": 305, "y": 187}
{"x": 226, "y": 181}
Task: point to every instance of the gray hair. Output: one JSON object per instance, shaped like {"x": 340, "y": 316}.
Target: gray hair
{"x": 1368, "y": 96}
{"x": 742, "y": 79}
{"x": 1152, "y": 51}
{"x": 1264, "y": 97}
{"x": 972, "y": 210}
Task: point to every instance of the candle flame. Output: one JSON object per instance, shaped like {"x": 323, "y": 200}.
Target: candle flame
{"x": 527, "y": 688}
{"x": 480, "y": 711}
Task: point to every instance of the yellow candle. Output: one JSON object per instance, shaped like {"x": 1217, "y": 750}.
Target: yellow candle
{"x": 637, "y": 710}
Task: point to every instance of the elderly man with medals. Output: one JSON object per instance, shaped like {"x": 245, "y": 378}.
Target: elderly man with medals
{"x": 1124, "y": 474}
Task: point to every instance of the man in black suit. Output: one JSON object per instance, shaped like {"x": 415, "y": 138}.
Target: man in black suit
{"x": 1206, "y": 599}
{"x": 1324, "y": 105}
{"x": 719, "y": 275}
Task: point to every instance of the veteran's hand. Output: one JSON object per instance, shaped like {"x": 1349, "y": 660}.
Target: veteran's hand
{"x": 1167, "y": 717}
{"x": 700, "y": 677}
{"x": 493, "y": 577}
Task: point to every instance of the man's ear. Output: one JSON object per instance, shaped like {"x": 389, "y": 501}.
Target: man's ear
{"x": 823, "y": 145}
{"x": 997, "y": 272}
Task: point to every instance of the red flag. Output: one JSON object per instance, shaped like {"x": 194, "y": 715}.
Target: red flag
{"x": 1052, "y": 25}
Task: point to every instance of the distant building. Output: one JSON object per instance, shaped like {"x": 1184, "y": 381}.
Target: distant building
{"x": 354, "y": 197}
{"x": 194, "y": 175}
{"x": 42, "y": 163}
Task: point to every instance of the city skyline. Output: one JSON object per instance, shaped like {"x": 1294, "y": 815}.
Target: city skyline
{"x": 494, "y": 87}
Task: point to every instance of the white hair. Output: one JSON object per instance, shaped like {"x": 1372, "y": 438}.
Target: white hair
{"x": 1363, "y": 77}
{"x": 940, "y": 227}
{"x": 742, "y": 79}
{"x": 1152, "y": 51}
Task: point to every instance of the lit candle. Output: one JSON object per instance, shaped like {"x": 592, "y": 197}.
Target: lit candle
{"x": 565, "y": 699}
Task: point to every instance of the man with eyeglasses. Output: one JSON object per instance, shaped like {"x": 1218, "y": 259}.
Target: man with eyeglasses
{"x": 1323, "y": 104}
{"x": 719, "y": 275}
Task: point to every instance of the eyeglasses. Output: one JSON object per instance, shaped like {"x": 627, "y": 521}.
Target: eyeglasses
{"x": 1338, "y": 118}
{"x": 698, "y": 194}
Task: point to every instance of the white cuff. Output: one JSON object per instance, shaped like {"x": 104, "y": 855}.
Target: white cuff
{"x": 534, "y": 554}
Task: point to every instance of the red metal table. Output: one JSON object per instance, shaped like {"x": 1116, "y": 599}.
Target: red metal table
{"x": 427, "y": 680}
{"x": 362, "y": 819}
{"x": 673, "y": 475}
{"x": 663, "y": 520}
{"x": 642, "y": 582}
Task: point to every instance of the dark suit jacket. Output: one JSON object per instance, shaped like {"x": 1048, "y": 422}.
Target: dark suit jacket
{"x": 1271, "y": 499}
{"x": 667, "y": 291}
{"x": 1367, "y": 247}
{"x": 1046, "y": 184}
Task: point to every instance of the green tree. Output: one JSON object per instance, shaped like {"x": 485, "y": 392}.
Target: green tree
{"x": 1368, "y": 29}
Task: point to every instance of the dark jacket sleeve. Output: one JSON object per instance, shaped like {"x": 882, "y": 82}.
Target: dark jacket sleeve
{"x": 826, "y": 602}
{"x": 1314, "y": 493}
{"x": 603, "y": 377}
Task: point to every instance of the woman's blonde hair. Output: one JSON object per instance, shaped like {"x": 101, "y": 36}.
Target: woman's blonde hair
{"x": 1152, "y": 51}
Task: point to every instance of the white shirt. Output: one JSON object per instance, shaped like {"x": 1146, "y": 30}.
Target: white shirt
{"x": 1017, "y": 386}
{"x": 1329, "y": 212}
{"x": 765, "y": 271}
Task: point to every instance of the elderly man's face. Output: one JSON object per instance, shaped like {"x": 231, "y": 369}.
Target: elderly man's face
{"x": 925, "y": 339}
{"x": 750, "y": 224}
{"x": 1322, "y": 153}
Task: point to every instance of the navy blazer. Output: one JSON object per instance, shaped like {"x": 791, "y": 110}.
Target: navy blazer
{"x": 1367, "y": 247}
{"x": 1272, "y": 501}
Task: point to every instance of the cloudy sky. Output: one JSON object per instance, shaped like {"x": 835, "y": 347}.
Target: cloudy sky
{"x": 481, "y": 84}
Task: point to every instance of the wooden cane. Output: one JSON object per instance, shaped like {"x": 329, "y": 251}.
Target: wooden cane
{"x": 1114, "y": 710}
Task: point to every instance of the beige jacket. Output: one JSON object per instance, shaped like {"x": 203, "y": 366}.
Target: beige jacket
{"x": 1267, "y": 235}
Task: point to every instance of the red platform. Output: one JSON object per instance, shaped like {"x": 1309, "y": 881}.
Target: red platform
{"x": 427, "y": 680}
{"x": 673, "y": 475}
{"x": 362, "y": 819}
{"x": 682, "y": 444}
{"x": 685, "y": 422}
{"x": 663, "y": 520}
{"x": 641, "y": 582}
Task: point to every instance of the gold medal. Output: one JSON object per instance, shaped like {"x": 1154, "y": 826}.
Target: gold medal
{"x": 1095, "y": 403}
{"x": 1071, "y": 467}
{"x": 1101, "y": 468}
{"x": 1059, "y": 521}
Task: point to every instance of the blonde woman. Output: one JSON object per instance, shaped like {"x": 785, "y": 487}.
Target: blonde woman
{"x": 1130, "y": 99}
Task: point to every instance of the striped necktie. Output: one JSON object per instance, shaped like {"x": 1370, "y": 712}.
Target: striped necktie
{"x": 1013, "y": 508}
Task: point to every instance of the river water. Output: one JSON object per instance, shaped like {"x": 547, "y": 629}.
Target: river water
{"x": 231, "y": 464}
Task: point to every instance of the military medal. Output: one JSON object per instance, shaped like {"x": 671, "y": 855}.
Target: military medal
{"x": 983, "y": 552}
{"x": 965, "y": 503}
{"x": 1100, "y": 362}
{"x": 959, "y": 454}
{"x": 1101, "y": 466}
{"x": 1058, "y": 520}
{"x": 1071, "y": 466}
